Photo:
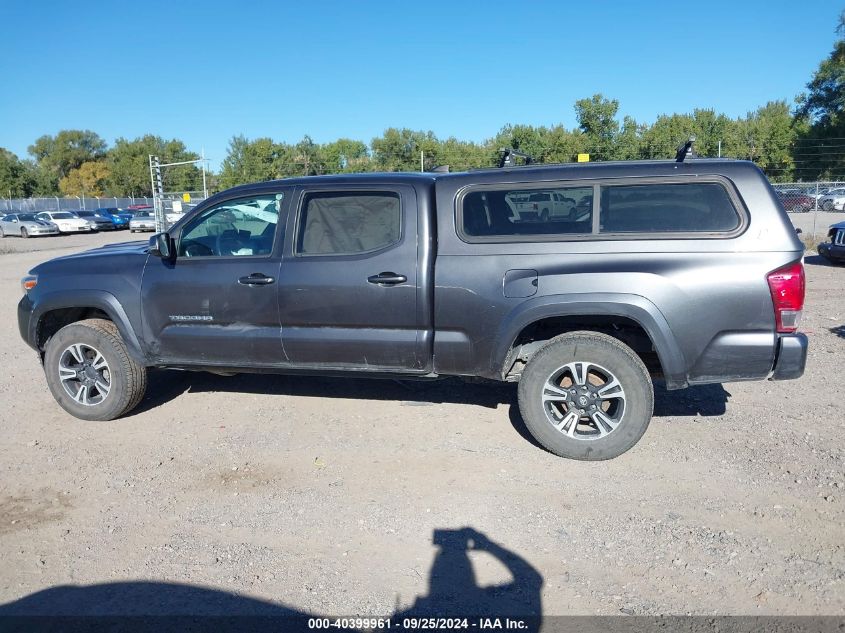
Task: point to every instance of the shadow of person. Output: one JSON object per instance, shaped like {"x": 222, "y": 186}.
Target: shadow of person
{"x": 453, "y": 587}
{"x": 161, "y": 606}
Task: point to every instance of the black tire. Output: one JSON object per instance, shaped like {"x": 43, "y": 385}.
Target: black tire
{"x": 605, "y": 352}
{"x": 128, "y": 379}
{"x": 2, "y": 234}
{"x": 828, "y": 205}
{"x": 24, "y": 232}
{"x": 544, "y": 215}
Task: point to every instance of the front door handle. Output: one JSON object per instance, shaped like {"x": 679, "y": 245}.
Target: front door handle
{"x": 387, "y": 279}
{"x": 256, "y": 279}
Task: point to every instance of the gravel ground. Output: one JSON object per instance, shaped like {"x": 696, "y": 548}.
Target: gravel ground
{"x": 349, "y": 496}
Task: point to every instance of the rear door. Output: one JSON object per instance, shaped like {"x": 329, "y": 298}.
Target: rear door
{"x": 349, "y": 293}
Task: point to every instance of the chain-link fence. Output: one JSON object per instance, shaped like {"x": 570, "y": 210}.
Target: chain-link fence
{"x": 36, "y": 205}
{"x": 173, "y": 205}
{"x": 803, "y": 197}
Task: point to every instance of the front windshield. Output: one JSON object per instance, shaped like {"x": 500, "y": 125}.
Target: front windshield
{"x": 143, "y": 214}
{"x": 27, "y": 217}
{"x": 84, "y": 214}
{"x": 62, "y": 216}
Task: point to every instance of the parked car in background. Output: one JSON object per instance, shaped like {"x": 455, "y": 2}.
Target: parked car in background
{"x": 102, "y": 223}
{"x": 139, "y": 207}
{"x": 795, "y": 200}
{"x": 834, "y": 249}
{"x": 543, "y": 205}
{"x": 142, "y": 221}
{"x": 26, "y": 225}
{"x": 67, "y": 222}
{"x": 833, "y": 200}
{"x": 119, "y": 217}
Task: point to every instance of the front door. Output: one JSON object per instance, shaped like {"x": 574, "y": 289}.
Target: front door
{"x": 348, "y": 290}
{"x": 217, "y": 303}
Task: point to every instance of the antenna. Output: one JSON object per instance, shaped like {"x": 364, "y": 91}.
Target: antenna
{"x": 685, "y": 150}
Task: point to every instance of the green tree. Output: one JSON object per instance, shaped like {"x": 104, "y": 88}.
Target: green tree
{"x": 597, "y": 119}
{"x": 345, "y": 155}
{"x": 129, "y": 164}
{"x": 89, "y": 179}
{"x": 399, "y": 150}
{"x": 16, "y": 177}
{"x": 821, "y": 113}
{"x": 249, "y": 161}
{"x": 58, "y": 155}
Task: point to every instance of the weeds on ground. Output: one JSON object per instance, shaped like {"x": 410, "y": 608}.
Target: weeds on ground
{"x": 810, "y": 242}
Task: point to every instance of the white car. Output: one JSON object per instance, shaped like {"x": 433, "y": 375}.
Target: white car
{"x": 834, "y": 199}
{"x": 67, "y": 221}
{"x": 142, "y": 221}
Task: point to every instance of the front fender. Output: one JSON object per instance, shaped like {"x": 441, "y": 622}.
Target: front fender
{"x": 634, "y": 307}
{"x": 99, "y": 299}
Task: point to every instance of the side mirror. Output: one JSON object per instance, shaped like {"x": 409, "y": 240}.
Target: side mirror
{"x": 161, "y": 245}
{"x": 798, "y": 230}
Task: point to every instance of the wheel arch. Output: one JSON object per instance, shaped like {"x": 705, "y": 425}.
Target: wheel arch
{"x": 597, "y": 311}
{"x": 55, "y": 310}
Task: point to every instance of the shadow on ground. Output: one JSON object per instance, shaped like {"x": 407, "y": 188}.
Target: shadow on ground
{"x": 700, "y": 400}
{"x": 452, "y": 591}
{"x": 818, "y": 260}
{"x": 839, "y": 330}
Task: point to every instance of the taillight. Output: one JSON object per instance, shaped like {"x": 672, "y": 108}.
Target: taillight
{"x": 787, "y": 287}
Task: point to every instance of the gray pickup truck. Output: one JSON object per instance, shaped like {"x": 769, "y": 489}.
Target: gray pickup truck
{"x": 685, "y": 271}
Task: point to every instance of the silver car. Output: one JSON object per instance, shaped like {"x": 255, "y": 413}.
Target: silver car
{"x": 142, "y": 221}
{"x": 833, "y": 200}
{"x": 26, "y": 225}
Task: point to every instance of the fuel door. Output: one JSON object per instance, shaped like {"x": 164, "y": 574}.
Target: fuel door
{"x": 519, "y": 283}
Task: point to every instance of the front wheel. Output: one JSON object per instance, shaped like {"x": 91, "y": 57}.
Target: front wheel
{"x": 90, "y": 372}
{"x": 827, "y": 205}
{"x": 586, "y": 395}
{"x": 24, "y": 232}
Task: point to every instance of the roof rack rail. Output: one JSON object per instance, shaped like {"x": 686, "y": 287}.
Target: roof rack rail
{"x": 685, "y": 150}
{"x": 508, "y": 157}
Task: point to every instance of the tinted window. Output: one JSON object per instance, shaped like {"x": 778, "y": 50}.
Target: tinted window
{"x": 333, "y": 223}
{"x": 506, "y": 212}
{"x": 236, "y": 228}
{"x": 679, "y": 208}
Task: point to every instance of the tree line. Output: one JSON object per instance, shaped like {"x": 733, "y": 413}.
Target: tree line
{"x": 804, "y": 142}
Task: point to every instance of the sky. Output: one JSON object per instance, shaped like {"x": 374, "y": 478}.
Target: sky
{"x": 206, "y": 71}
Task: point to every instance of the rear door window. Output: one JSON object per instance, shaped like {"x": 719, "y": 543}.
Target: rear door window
{"x": 347, "y": 223}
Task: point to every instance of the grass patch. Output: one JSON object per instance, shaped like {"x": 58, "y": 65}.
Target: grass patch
{"x": 810, "y": 243}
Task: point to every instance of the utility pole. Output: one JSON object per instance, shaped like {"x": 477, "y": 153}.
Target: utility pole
{"x": 204, "y": 188}
{"x": 421, "y": 161}
{"x": 720, "y": 148}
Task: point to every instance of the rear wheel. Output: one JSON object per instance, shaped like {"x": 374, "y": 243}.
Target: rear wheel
{"x": 2, "y": 234}
{"x": 90, "y": 372}
{"x": 586, "y": 395}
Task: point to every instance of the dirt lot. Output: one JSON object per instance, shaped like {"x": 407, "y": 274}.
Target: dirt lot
{"x": 330, "y": 496}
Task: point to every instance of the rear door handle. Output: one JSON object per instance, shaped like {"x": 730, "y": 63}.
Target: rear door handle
{"x": 387, "y": 279}
{"x": 256, "y": 279}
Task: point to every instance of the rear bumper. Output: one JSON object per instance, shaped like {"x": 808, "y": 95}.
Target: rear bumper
{"x": 831, "y": 251}
{"x": 791, "y": 357}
